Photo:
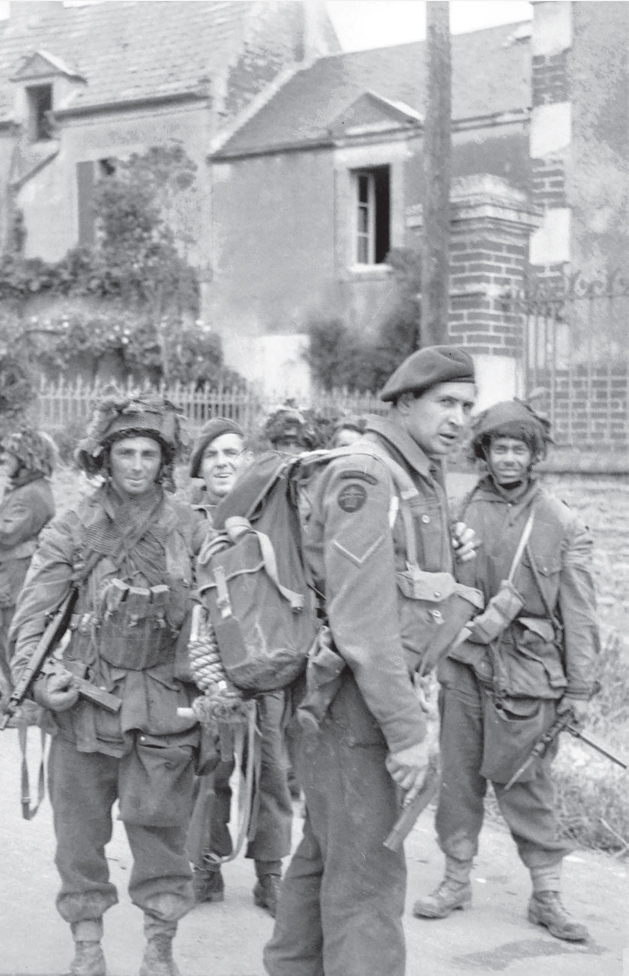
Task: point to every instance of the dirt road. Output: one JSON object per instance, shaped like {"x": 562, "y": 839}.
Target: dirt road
{"x": 227, "y": 939}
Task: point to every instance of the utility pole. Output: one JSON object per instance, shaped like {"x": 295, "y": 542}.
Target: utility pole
{"x": 437, "y": 170}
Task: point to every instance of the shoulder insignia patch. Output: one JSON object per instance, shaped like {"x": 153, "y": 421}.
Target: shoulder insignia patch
{"x": 351, "y": 498}
{"x": 360, "y": 476}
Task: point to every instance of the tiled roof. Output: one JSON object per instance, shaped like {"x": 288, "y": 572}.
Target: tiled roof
{"x": 490, "y": 74}
{"x": 125, "y": 50}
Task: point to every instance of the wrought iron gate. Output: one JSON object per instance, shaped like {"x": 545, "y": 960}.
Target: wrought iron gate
{"x": 576, "y": 342}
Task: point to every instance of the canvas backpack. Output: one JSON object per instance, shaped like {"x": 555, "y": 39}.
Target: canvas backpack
{"x": 252, "y": 581}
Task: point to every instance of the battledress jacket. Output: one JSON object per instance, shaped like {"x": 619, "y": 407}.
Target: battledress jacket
{"x": 550, "y": 647}
{"x": 148, "y": 688}
{"x": 355, "y": 546}
{"x": 27, "y": 506}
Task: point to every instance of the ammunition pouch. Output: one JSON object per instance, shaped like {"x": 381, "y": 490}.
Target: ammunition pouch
{"x": 132, "y": 629}
{"x": 156, "y": 781}
{"x": 511, "y": 727}
{"x": 443, "y": 606}
{"x": 500, "y": 611}
{"x": 528, "y": 662}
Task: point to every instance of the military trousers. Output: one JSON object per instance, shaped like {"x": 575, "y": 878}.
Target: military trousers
{"x": 273, "y": 811}
{"x": 342, "y": 898}
{"x": 83, "y": 788}
{"x": 527, "y": 807}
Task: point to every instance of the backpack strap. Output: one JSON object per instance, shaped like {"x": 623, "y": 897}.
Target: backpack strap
{"x": 235, "y": 526}
{"x": 407, "y": 494}
{"x": 406, "y": 498}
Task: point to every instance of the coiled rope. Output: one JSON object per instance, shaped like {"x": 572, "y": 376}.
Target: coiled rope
{"x": 221, "y": 701}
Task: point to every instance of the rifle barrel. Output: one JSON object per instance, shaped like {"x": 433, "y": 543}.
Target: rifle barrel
{"x": 597, "y": 745}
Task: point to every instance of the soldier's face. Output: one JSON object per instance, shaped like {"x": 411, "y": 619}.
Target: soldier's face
{"x": 437, "y": 419}
{"x": 223, "y": 460}
{"x": 509, "y": 460}
{"x": 134, "y": 463}
{"x": 11, "y": 463}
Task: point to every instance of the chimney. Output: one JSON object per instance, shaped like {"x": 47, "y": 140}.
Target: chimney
{"x": 315, "y": 25}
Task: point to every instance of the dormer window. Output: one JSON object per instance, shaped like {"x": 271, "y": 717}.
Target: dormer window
{"x": 39, "y": 112}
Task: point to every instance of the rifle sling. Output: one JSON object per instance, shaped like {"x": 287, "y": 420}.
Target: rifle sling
{"x": 29, "y": 812}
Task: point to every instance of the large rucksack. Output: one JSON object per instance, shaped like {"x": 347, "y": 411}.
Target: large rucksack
{"x": 252, "y": 581}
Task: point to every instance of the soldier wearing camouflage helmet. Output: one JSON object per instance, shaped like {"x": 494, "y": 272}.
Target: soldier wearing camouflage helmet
{"x": 129, "y": 549}
{"x": 529, "y": 658}
{"x": 29, "y": 458}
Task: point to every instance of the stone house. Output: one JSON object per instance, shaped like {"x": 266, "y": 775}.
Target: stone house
{"x": 310, "y": 171}
{"x": 82, "y": 85}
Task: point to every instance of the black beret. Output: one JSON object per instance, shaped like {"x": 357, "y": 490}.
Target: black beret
{"x": 208, "y": 433}
{"x": 426, "y": 368}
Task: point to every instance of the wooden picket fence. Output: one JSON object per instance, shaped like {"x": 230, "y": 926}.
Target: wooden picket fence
{"x": 66, "y": 406}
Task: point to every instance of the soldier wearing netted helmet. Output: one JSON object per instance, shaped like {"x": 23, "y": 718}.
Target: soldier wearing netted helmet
{"x": 29, "y": 458}
{"x": 529, "y": 658}
{"x": 128, "y": 549}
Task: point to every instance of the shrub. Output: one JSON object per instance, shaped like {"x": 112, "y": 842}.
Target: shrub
{"x": 342, "y": 358}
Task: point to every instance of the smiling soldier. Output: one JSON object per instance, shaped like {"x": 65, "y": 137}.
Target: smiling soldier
{"x": 220, "y": 454}
{"x": 529, "y": 657}
{"x": 128, "y": 549}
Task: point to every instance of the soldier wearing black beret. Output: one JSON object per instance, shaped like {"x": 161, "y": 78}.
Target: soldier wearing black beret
{"x": 342, "y": 898}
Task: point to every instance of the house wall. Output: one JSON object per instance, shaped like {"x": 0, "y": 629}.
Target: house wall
{"x": 49, "y": 199}
{"x": 273, "y": 257}
{"x": 284, "y": 235}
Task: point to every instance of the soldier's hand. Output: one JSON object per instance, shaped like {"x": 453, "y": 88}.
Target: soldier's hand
{"x": 408, "y": 767}
{"x": 579, "y": 708}
{"x": 56, "y": 691}
{"x": 465, "y": 542}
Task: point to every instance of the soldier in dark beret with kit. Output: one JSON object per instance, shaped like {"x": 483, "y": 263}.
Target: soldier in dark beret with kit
{"x": 219, "y": 455}
{"x": 342, "y": 899}
{"x": 529, "y": 658}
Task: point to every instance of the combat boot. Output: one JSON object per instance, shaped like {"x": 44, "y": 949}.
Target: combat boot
{"x": 158, "y": 957}
{"x": 208, "y": 885}
{"x": 89, "y": 959}
{"x": 266, "y": 893}
{"x": 545, "y": 908}
{"x": 455, "y": 891}
{"x": 445, "y": 899}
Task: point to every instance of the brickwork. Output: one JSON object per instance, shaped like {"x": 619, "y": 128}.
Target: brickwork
{"x": 488, "y": 258}
{"x": 591, "y": 406}
{"x": 549, "y": 182}
{"x": 550, "y": 79}
{"x": 550, "y": 85}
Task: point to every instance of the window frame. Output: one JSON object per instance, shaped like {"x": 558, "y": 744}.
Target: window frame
{"x": 39, "y": 125}
{"x": 366, "y": 230}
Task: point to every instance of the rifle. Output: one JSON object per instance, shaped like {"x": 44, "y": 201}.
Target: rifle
{"x": 412, "y": 808}
{"x": 42, "y": 662}
{"x": 543, "y": 744}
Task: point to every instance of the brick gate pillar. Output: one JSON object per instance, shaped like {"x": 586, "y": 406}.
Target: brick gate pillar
{"x": 491, "y": 223}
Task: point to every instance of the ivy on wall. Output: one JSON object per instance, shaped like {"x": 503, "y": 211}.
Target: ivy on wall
{"x": 143, "y": 294}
